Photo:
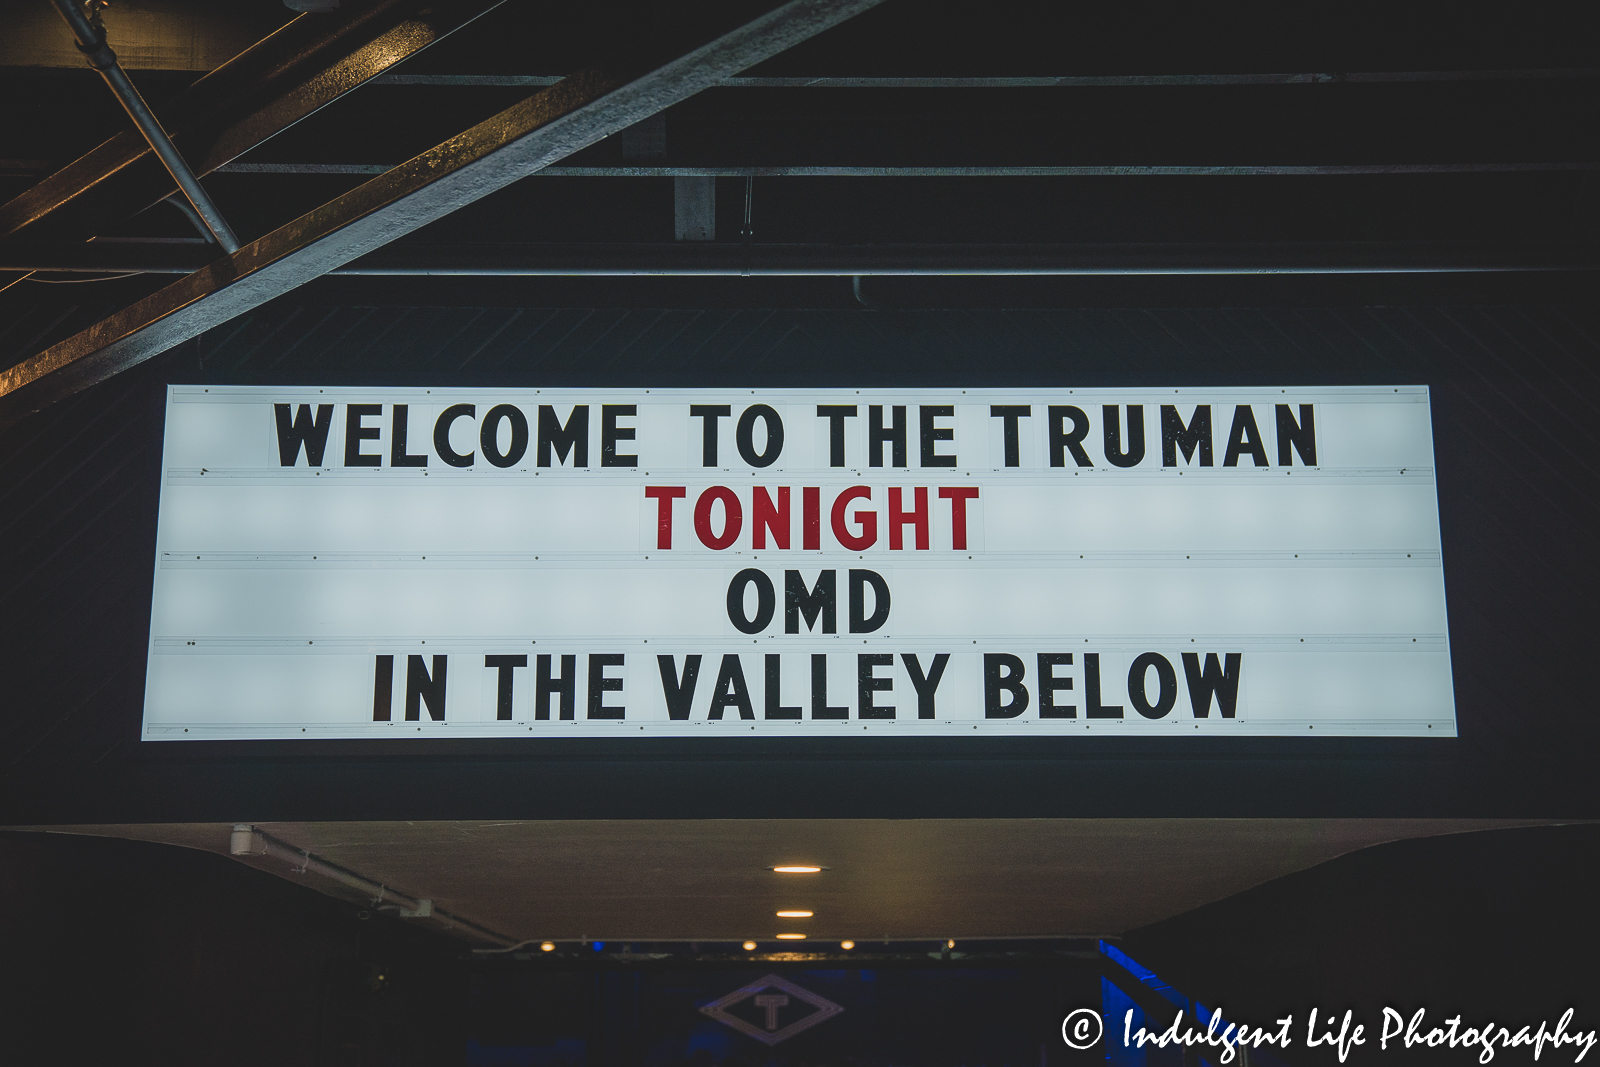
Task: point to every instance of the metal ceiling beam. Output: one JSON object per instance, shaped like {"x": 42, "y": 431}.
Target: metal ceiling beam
{"x": 1109, "y": 170}
{"x": 309, "y": 63}
{"x": 733, "y": 259}
{"x": 681, "y": 53}
{"x": 1088, "y": 171}
{"x": 1089, "y": 81}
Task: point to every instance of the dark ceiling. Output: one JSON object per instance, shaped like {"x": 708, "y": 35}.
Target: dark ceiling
{"x": 1408, "y": 131}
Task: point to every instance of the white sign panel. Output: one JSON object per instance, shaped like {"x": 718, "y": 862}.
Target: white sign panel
{"x": 427, "y": 563}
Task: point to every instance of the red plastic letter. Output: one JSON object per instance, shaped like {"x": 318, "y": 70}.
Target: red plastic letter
{"x": 732, "y": 517}
{"x": 867, "y": 519}
{"x": 811, "y": 517}
{"x": 765, "y": 516}
{"x": 664, "y": 495}
{"x": 958, "y": 497}
{"x": 917, "y": 516}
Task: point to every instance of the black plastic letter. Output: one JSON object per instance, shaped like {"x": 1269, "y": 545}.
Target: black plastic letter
{"x": 766, "y": 601}
{"x": 745, "y": 435}
{"x": 859, "y": 623}
{"x": 1221, "y": 679}
{"x": 822, "y": 599}
{"x": 708, "y": 433}
{"x": 1176, "y": 437}
{"x": 489, "y": 435}
{"x": 994, "y": 683}
{"x": 1011, "y": 413}
{"x": 1049, "y": 684}
{"x": 600, "y": 685}
{"x": 1091, "y": 691}
{"x": 680, "y": 695}
{"x": 1167, "y": 681}
{"x": 925, "y": 684}
{"x": 836, "y": 414}
{"x": 1113, "y": 435}
{"x": 731, "y": 691}
{"x": 355, "y": 433}
{"x": 441, "y": 434}
{"x": 303, "y": 431}
{"x": 421, "y": 688}
{"x": 544, "y": 686}
{"x": 1062, "y": 442}
{"x": 503, "y": 687}
{"x": 774, "y": 690}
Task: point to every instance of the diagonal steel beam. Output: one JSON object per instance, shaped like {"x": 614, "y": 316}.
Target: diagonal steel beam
{"x": 671, "y": 60}
{"x": 307, "y": 64}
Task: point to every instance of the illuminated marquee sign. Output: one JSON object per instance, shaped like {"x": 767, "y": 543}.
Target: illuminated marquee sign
{"x": 426, "y": 563}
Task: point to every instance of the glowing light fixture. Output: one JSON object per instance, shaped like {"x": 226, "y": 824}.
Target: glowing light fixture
{"x": 847, "y": 945}
{"x": 795, "y": 914}
{"x": 749, "y": 946}
{"x": 796, "y": 868}
{"x": 791, "y": 937}
{"x": 548, "y": 946}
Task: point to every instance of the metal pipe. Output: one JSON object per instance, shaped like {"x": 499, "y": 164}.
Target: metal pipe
{"x": 246, "y": 840}
{"x": 729, "y": 258}
{"x": 192, "y": 215}
{"x": 672, "y": 56}
{"x": 91, "y": 40}
{"x": 1290, "y": 170}
{"x": 1093, "y": 81}
{"x": 292, "y": 73}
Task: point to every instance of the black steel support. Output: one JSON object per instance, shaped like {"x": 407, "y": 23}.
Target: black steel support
{"x": 670, "y": 61}
{"x": 730, "y": 258}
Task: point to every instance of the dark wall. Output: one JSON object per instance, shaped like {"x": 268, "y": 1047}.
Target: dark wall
{"x": 1515, "y": 397}
{"x": 131, "y": 953}
{"x": 529, "y": 1015}
{"x": 1494, "y": 926}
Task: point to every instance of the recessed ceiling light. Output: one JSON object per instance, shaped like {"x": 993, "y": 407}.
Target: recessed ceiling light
{"x": 847, "y": 945}
{"x": 795, "y": 914}
{"x": 749, "y": 946}
{"x": 796, "y": 868}
{"x": 791, "y": 937}
{"x": 548, "y": 946}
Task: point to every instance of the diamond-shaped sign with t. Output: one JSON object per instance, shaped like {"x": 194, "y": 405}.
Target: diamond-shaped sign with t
{"x": 783, "y": 995}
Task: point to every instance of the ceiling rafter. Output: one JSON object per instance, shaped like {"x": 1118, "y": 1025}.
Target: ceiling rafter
{"x": 664, "y": 64}
{"x": 301, "y": 68}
